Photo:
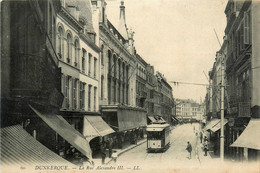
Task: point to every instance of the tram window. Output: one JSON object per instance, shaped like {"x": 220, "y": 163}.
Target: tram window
{"x": 154, "y": 135}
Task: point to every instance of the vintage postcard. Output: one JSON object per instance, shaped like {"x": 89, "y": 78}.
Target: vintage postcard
{"x": 130, "y": 86}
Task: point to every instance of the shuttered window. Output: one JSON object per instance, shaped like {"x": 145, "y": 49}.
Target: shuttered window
{"x": 242, "y": 37}
{"x": 67, "y": 91}
{"x": 247, "y": 28}
{"x": 74, "y": 83}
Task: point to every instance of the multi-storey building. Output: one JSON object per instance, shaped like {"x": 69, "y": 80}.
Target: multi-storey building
{"x": 30, "y": 85}
{"x": 151, "y": 91}
{"x": 166, "y": 102}
{"x": 240, "y": 57}
{"x": 141, "y": 80}
{"x": 118, "y": 72}
{"x": 242, "y": 71}
{"x": 80, "y": 64}
{"x": 188, "y": 109}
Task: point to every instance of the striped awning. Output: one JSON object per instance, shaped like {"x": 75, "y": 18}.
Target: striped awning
{"x": 152, "y": 118}
{"x": 218, "y": 125}
{"x": 19, "y": 148}
{"x": 95, "y": 126}
{"x": 250, "y": 137}
{"x": 66, "y": 131}
{"x": 211, "y": 124}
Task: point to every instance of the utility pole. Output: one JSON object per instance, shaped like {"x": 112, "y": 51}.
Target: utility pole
{"x": 222, "y": 108}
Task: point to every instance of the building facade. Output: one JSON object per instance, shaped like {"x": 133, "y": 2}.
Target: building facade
{"x": 141, "y": 80}
{"x": 30, "y": 76}
{"x": 79, "y": 60}
{"x": 151, "y": 91}
{"x": 242, "y": 62}
{"x": 117, "y": 74}
{"x": 164, "y": 93}
{"x": 240, "y": 57}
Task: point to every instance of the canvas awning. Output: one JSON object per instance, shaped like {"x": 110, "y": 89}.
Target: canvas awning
{"x": 175, "y": 119}
{"x": 152, "y": 118}
{"x": 211, "y": 124}
{"x": 19, "y": 148}
{"x": 218, "y": 125}
{"x": 95, "y": 126}
{"x": 66, "y": 131}
{"x": 250, "y": 137}
{"x": 130, "y": 119}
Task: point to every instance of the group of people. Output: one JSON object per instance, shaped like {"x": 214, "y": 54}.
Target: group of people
{"x": 203, "y": 140}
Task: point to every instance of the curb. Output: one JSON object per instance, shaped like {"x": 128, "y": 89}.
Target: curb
{"x": 132, "y": 147}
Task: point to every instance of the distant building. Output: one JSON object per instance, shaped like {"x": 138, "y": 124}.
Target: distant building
{"x": 189, "y": 109}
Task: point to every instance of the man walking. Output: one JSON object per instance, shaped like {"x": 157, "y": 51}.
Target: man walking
{"x": 206, "y": 147}
{"x": 201, "y": 137}
{"x": 189, "y": 149}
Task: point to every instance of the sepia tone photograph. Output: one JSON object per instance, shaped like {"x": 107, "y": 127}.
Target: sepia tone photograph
{"x": 130, "y": 86}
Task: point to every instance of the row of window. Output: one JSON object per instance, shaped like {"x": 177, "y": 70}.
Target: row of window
{"x": 117, "y": 68}
{"x": 70, "y": 52}
{"x": 117, "y": 92}
{"x": 241, "y": 37}
{"x": 74, "y": 92}
{"x": 141, "y": 72}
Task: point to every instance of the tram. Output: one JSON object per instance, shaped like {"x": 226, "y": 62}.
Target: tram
{"x": 158, "y": 137}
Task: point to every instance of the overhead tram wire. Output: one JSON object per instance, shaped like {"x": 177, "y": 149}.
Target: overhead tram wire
{"x": 190, "y": 83}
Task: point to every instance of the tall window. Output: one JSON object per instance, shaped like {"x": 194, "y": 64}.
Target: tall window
{"x": 102, "y": 87}
{"x": 95, "y": 98}
{"x": 69, "y": 48}
{"x": 115, "y": 68}
{"x": 118, "y": 93}
{"x": 89, "y": 63}
{"x": 60, "y": 42}
{"x": 83, "y": 60}
{"x": 95, "y": 67}
{"x": 109, "y": 62}
{"x": 127, "y": 94}
{"x": 102, "y": 55}
{"x": 114, "y": 90}
{"x": 89, "y": 97}
{"x": 77, "y": 49}
{"x": 67, "y": 89}
{"x": 109, "y": 90}
{"x": 75, "y": 81}
{"x": 82, "y": 95}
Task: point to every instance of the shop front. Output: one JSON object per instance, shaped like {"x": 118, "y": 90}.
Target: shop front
{"x": 249, "y": 141}
{"x": 128, "y": 122}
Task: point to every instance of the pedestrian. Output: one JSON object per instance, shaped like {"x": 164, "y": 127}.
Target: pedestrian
{"x": 201, "y": 137}
{"x": 114, "y": 156}
{"x": 206, "y": 147}
{"x": 110, "y": 143}
{"x": 189, "y": 149}
{"x": 135, "y": 139}
{"x": 103, "y": 156}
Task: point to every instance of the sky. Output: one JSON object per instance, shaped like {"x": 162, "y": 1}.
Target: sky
{"x": 177, "y": 37}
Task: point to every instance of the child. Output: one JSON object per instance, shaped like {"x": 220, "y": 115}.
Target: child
{"x": 114, "y": 156}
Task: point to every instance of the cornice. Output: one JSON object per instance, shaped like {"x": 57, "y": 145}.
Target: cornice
{"x": 115, "y": 41}
{"x": 71, "y": 20}
{"x": 85, "y": 38}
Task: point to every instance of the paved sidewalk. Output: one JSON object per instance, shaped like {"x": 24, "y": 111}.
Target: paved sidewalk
{"x": 98, "y": 161}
